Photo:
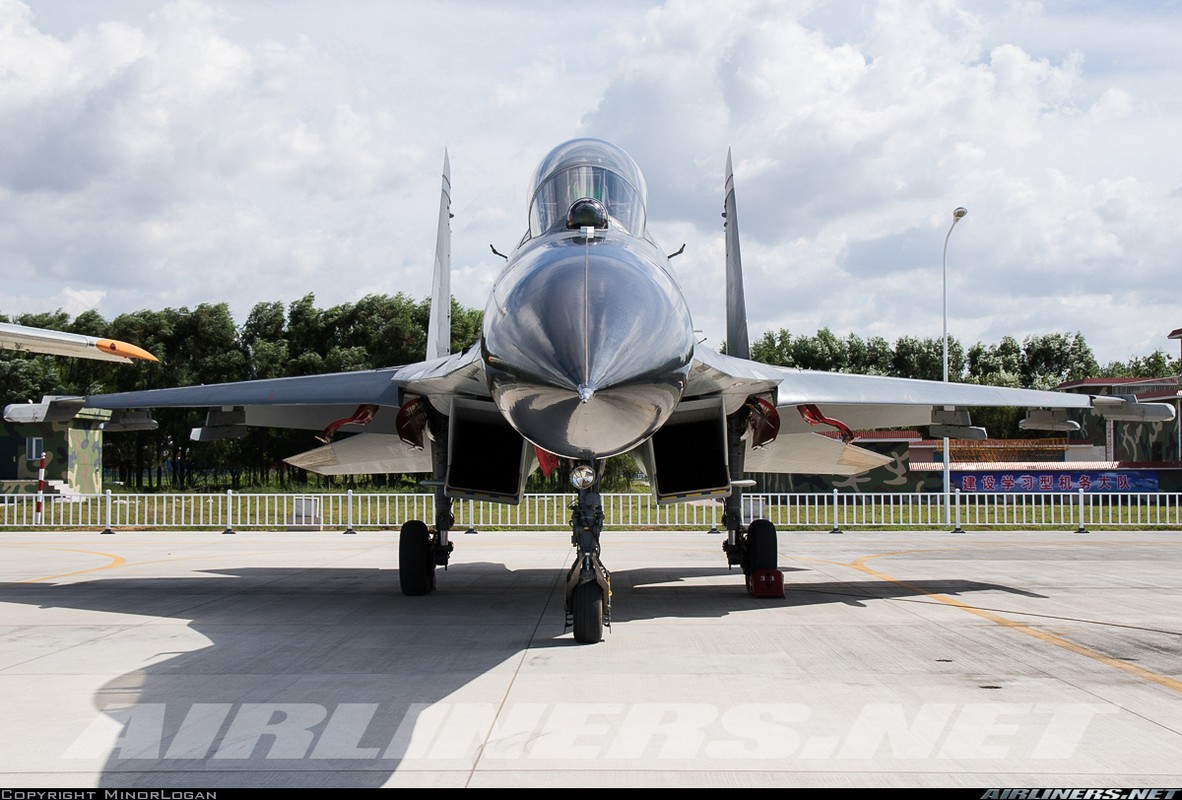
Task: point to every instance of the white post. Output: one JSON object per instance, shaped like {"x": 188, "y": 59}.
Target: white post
{"x": 229, "y": 511}
{"x": 37, "y": 515}
{"x": 836, "y": 529}
{"x": 349, "y": 511}
{"x": 1081, "y": 528}
{"x": 107, "y": 528}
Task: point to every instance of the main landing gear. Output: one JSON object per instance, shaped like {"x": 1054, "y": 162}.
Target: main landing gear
{"x": 755, "y": 549}
{"x": 421, "y": 550}
{"x": 588, "y": 583}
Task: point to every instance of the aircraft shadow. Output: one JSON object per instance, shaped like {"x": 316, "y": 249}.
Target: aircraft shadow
{"x": 296, "y": 653}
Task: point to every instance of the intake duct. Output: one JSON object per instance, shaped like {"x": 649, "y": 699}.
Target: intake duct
{"x": 687, "y": 458}
{"x": 487, "y": 459}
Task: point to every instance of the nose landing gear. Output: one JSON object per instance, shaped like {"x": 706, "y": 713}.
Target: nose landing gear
{"x": 588, "y": 583}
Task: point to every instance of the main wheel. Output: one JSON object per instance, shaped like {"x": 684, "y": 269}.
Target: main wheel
{"x": 587, "y": 613}
{"x": 416, "y": 568}
{"x": 762, "y": 547}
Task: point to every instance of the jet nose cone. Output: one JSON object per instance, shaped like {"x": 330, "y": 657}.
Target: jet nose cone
{"x": 587, "y": 346}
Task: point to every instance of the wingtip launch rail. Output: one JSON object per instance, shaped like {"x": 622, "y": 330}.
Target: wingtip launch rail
{"x": 62, "y": 343}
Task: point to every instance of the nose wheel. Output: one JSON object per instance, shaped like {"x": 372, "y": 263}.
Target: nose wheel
{"x": 586, "y": 616}
{"x": 588, "y": 583}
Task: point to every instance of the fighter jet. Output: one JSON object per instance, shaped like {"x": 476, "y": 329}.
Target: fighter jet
{"x": 587, "y": 352}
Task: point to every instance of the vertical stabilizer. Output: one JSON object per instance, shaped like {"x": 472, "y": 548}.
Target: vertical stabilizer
{"x": 736, "y": 305}
{"x": 439, "y": 324}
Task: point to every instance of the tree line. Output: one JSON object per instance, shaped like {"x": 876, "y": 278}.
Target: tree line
{"x": 205, "y": 345}
{"x": 1039, "y": 362}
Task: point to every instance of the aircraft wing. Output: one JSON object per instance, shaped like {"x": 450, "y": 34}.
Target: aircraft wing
{"x": 871, "y": 401}
{"x": 61, "y": 343}
{"x": 805, "y": 386}
{"x": 311, "y": 402}
{"x": 382, "y": 387}
{"x": 368, "y": 386}
{"x": 796, "y": 387}
{"x": 868, "y": 402}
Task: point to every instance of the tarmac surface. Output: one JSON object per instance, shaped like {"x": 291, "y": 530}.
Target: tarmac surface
{"x": 202, "y": 660}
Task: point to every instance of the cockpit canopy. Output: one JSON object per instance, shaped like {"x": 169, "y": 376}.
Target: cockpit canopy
{"x": 587, "y": 169}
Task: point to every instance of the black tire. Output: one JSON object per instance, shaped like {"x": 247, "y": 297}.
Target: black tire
{"x": 762, "y": 547}
{"x": 587, "y": 613}
{"x": 416, "y": 568}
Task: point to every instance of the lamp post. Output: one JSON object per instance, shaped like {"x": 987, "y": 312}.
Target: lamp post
{"x": 957, "y": 215}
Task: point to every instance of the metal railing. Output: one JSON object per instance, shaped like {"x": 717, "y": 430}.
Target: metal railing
{"x": 350, "y": 511}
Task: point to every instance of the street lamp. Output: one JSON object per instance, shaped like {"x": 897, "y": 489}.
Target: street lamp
{"x": 957, "y": 215}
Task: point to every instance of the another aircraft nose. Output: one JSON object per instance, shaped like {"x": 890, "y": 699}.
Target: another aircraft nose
{"x": 587, "y": 345}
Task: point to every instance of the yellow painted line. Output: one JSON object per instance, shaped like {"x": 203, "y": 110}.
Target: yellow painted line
{"x": 114, "y": 561}
{"x": 1014, "y": 625}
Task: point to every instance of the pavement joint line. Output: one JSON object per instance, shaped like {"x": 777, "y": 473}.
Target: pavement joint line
{"x": 479, "y": 761}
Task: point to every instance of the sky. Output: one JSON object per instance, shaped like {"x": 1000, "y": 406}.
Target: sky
{"x": 167, "y": 154}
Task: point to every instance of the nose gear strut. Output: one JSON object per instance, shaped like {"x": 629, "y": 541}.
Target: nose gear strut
{"x": 588, "y": 583}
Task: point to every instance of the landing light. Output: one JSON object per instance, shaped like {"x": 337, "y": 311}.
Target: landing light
{"x": 582, "y": 477}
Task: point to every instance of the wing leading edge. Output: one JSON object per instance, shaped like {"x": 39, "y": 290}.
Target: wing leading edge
{"x": 866, "y": 402}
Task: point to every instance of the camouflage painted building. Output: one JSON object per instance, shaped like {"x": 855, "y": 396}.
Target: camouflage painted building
{"x": 1159, "y": 442}
{"x": 73, "y": 450}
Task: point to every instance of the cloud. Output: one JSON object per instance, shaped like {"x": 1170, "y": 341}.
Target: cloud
{"x": 852, "y": 152}
{"x": 194, "y": 152}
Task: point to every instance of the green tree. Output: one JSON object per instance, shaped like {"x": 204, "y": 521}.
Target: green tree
{"x": 1155, "y": 365}
{"x": 823, "y": 352}
{"x": 28, "y": 378}
{"x": 924, "y": 359}
{"x": 870, "y": 357}
{"x": 305, "y": 329}
{"x": 466, "y": 324}
{"x": 54, "y": 320}
{"x": 1001, "y": 364}
{"x": 264, "y": 335}
{"x": 1052, "y": 358}
{"x": 774, "y": 348}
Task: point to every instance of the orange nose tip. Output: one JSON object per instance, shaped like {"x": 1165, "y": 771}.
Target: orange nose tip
{"x": 118, "y": 348}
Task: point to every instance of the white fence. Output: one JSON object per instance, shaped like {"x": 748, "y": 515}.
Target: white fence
{"x": 802, "y": 511}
